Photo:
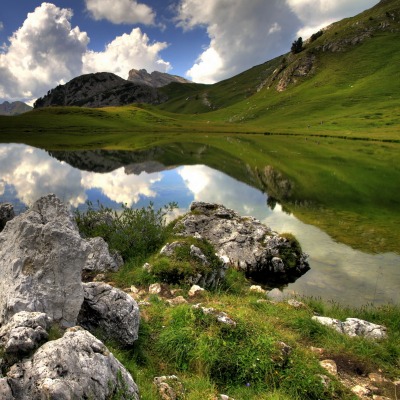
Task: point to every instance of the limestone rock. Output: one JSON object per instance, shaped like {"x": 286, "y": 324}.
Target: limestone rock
{"x": 77, "y": 366}
{"x": 330, "y": 366}
{"x": 257, "y": 289}
{"x": 246, "y": 242}
{"x": 155, "y": 288}
{"x": 6, "y": 214}
{"x": 360, "y": 391}
{"x": 177, "y": 301}
{"x": 354, "y": 327}
{"x": 41, "y": 260}
{"x": 296, "y": 304}
{"x": 24, "y": 332}
{"x": 169, "y": 387}
{"x": 220, "y": 316}
{"x": 100, "y": 259}
{"x": 5, "y": 390}
{"x": 195, "y": 290}
{"x": 111, "y": 310}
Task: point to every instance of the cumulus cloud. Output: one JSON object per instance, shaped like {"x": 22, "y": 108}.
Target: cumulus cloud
{"x": 45, "y": 50}
{"x": 125, "y": 52}
{"x": 316, "y": 14}
{"x": 242, "y": 34}
{"x": 121, "y": 11}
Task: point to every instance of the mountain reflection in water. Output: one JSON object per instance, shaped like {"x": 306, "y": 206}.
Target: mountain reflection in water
{"x": 337, "y": 273}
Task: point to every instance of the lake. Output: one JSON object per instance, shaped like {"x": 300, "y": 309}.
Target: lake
{"x": 338, "y": 272}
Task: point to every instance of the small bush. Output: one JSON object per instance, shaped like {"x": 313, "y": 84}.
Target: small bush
{"x": 132, "y": 232}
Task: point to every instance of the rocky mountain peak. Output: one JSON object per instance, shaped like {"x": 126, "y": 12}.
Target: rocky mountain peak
{"x": 155, "y": 79}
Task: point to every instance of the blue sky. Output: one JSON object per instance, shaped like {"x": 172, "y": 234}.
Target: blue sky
{"x": 44, "y": 44}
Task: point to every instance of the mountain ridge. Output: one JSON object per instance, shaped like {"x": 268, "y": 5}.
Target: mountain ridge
{"x": 14, "y": 108}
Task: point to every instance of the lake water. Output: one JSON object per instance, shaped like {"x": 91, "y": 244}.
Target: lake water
{"x": 337, "y": 273}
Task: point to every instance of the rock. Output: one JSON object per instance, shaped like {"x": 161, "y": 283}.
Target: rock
{"x": 77, "y": 366}
{"x": 24, "y": 332}
{"x": 331, "y": 322}
{"x": 206, "y": 277}
{"x": 359, "y": 327}
{"x": 330, "y": 366}
{"x": 276, "y": 295}
{"x": 223, "y": 397}
{"x": 169, "y": 387}
{"x": 147, "y": 267}
{"x": 296, "y": 304}
{"x": 112, "y": 311}
{"x": 360, "y": 391}
{"x": 177, "y": 301}
{"x": 354, "y": 327}
{"x": 169, "y": 249}
{"x": 317, "y": 350}
{"x": 100, "y": 259}
{"x": 220, "y": 316}
{"x": 246, "y": 242}
{"x": 377, "y": 378}
{"x": 155, "y": 288}
{"x": 257, "y": 289}
{"x": 376, "y": 397}
{"x": 134, "y": 289}
{"x": 41, "y": 261}
{"x": 5, "y": 390}
{"x": 285, "y": 350}
{"x": 155, "y": 79}
{"x": 6, "y": 214}
{"x": 195, "y": 290}
{"x": 99, "y": 278}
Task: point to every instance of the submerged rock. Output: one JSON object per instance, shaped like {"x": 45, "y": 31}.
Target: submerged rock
{"x": 41, "y": 260}
{"x": 246, "y": 242}
{"x": 112, "y": 311}
{"x": 77, "y": 366}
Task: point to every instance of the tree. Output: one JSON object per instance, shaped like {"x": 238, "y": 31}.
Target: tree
{"x": 297, "y": 46}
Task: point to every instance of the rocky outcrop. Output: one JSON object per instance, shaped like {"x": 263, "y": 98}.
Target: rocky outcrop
{"x": 41, "y": 261}
{"x": 207, "y": 274}
{"x": 99, "y": 258}
{"x": 155, "y": 79}
{"x": 77, "y": 366}
{"x": 6, "y": 214}
{"x": 99, "y": 90}
{"x": 24, "y": 332}
{"x": 112, "y": 311}
{"x": 245, "y": 242}
{"x": 354, "y": 327}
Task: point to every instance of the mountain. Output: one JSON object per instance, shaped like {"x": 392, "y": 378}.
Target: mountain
{"x": 99, "y": 90}
{"x": 347, "y": 71}
{"x": 155, "y": 79}
{"x": 15, "y": 108}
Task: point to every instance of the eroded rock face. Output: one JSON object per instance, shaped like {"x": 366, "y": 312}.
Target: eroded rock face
{"x": 246, "y": 242}
{"x": 111, "y": 310}
{"x": 6, "y": 214}
{"x": 100, "y": 259}
{"x": 41, "y": 260}
{"x": 77, "y": 366}
{"x": 24, "y": 332}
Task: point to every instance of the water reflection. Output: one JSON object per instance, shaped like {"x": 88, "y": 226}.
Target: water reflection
{"x": 337, "y": 271}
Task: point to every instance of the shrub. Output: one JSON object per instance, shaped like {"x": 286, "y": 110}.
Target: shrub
{"x": 131, "y": 232}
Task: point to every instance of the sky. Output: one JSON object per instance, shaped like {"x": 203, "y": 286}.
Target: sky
{"x": 44, "y": 44}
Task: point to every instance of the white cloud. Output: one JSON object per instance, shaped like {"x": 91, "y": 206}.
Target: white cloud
{"x": 315, "y": 14}
{"x": 43, "y": 52}
{"x": 121, "y": 11}
{"x": 1, "y": 26}
{"x": 46, "y": 51}
{"x": 126, "y": 52}
{"x": 242, "y": 34}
